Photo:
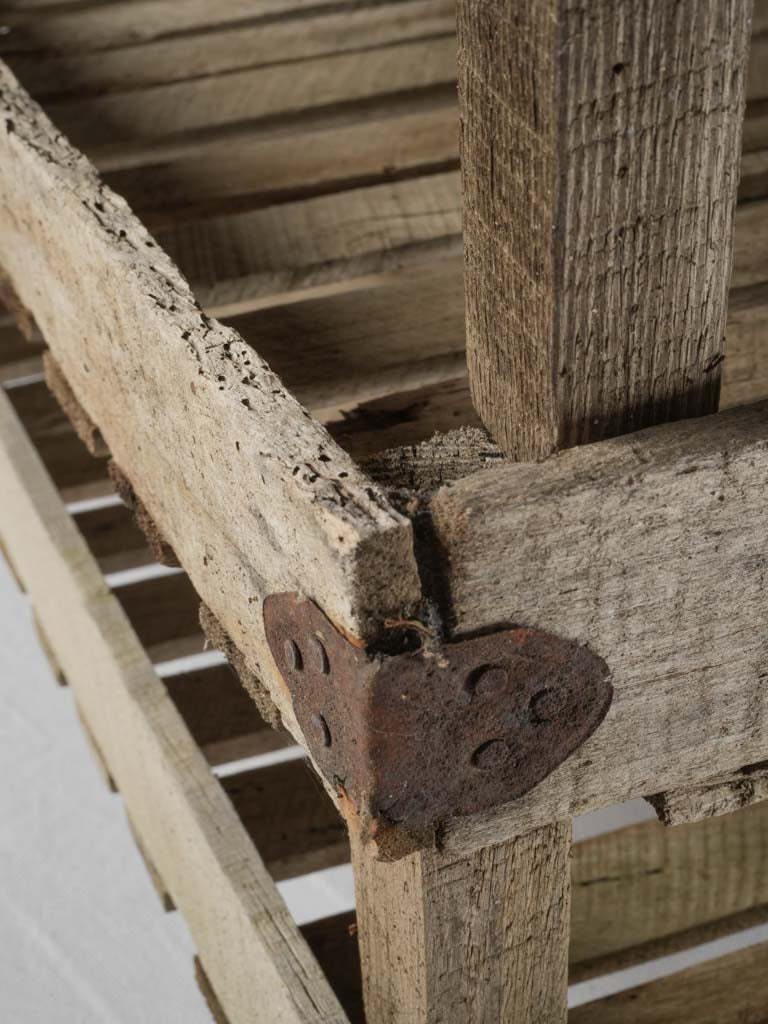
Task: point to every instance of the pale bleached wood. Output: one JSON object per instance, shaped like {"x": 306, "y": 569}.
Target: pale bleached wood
{"x": 645, "y": 891}
{"x": 238, "y": 921}
{"x": 598, "y": 305}
{"x": 482, "y": 938}
{"x": 729, "y": 990}
{"x": 648, "y": 548}
{"x": 320, "y": 32}
{"x": 252, "y": 495}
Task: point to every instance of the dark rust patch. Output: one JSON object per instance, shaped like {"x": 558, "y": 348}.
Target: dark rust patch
{"x": 446, "y": 730}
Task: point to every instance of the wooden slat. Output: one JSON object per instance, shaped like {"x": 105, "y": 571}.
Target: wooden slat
{"x": 115, "y": 540}
{"x": 322, "y": 240}
{"x": 721, "y": 794}
{"x": 598, "y": 305}
{"x": 256, "y": 170}
{"x": 252, "y": 495}
{"x": 363, "y": 345}
{"x": 730, "y": 990}
{"x": 105, "y": 26}
{"x": 220, "y": 715}
{"x": 106, "y": 124}
{"x": 333, "y": 940}
{"x": 165, "y": 613}
{"x": 645, "y": 891}
{"x": 241, "y": 927}
{"x": 649, "y": 549}
{"x": 482, "y": 938}
{"x": 286, "y": 812}
{"x": 321, "y": 32}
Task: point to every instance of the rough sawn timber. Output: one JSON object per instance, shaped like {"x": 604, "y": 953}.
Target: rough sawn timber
{"x": 597, "y": 305}
{"x": 651, "y": 549}
{"x": 252, "y": 494}
{"x": 482, "y": 938}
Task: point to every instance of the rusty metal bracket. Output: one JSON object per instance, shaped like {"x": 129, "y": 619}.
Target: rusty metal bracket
{"x": 442, "y": 730}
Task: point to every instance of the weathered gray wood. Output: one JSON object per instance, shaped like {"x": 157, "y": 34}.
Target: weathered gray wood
{"x": 241, "y": 927}
{"x": 648, "y": 548}
{"x": 646, "y": 891}
{"x": 121, "y": 120}
{"x": 232, "y": 470}
{"x": 319, "y": 32}
{"x": 722, "y": 794}
{"x": 482, "y": 938}
{"x": 730, "y": 990}
{"x": 597, "y": 305}
{"x": 259, "y": 169}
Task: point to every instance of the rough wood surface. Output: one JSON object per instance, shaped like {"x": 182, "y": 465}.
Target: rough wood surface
{"x": 232, "y": 470}
{"x": 321, "y": 32}
{"x": 648, "y": 548}
{"x": 481, "y": 938}
{"x": 721, "y": 795}
{"x": 730, "y": 990}
{"x": 645, "y": 891}
{"x": 598, "y": 305}
{"x": 241, "y": 927}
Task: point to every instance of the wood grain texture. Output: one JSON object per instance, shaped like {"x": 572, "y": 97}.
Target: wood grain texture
{"x": 197, "y": 105}
{"x": 723, "y": 794}
{"x": 242, "y": 929}
{"x": 321, "y": 32}
{"x": 239, "y": 476}
{"x": 729, "y": 990}
{"x": 597, "y": 306}
{"x": 645, "y": 891}
{"x": 648, "y": 548}
{"x": 482, "y": 938}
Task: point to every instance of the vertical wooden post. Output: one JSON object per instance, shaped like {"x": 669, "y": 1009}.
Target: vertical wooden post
{"x": 476, "y": 940}
{"x": 600, "y": 154}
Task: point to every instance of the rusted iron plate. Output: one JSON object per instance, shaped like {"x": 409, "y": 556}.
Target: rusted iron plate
{"x": 440, "y": 731}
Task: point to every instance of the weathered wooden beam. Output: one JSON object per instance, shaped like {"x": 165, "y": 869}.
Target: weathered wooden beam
{"x": 600, "y": 150}
{"x": 723, "y": 794}
{"x": 648, "y": 548}
{"x": 232, "y": 469}
{"x": 482, "y": 938}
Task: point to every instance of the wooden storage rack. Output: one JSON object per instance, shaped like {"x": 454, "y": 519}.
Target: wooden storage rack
{"x": 298, "y": 163}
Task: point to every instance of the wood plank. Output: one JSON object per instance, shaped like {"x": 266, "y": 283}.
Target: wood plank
{"x": 115, "y": 541}
{"x": 646, "y": 891}
{"x": 722, "y": 794}
{"x": 598, "y": 306}
{"x": 361, "y": 346}
{"x": 278, "y": 93}
{"x": 482, "y": 938}
{"x": 242, "y": 929}
{"x": 648, "y": 549}
{"x": 333, "y": 940}
{"x": 321, "y": 32}
{"x": 235, "y": 479}
{"x": 108, "y": 26}
{"x": 165, "y": 614}
{"x": 220, "y": 714}
{"x": 256, "y": 170}
{"x": 325, "y": 239}
{"x": 732, "y": 989}
{"x": 287, "y": 814}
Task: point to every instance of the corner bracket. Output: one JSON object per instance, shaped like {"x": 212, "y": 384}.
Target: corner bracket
{"x": 441, "y": 730}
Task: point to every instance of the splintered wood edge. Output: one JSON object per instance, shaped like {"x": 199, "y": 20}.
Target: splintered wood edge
{"x": 236, "y": 916}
